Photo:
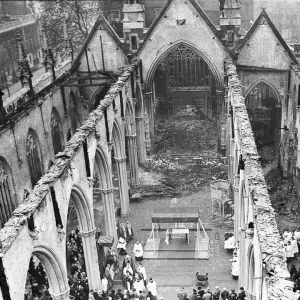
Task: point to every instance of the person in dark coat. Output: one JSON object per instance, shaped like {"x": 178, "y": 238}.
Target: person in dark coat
{"x": 224, "y": 294}
{"x": 233, "y": 295}
{"x": 242, "y": 294}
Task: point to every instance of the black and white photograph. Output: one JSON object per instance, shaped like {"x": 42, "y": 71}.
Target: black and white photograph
{"x": 149, "y": 150}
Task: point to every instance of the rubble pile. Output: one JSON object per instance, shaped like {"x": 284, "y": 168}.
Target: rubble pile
{"x": 265, "y": 223}
{"x": 185, "y": 134}
{"x": 61, "y": 168}
{"x": 189, "y": 177}
{"x": 283, "y": 197}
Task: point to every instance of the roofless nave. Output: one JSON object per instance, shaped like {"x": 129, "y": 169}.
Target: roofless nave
{"x": 84, "y": 115}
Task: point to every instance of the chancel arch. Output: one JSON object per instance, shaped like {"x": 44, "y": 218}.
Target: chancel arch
{"x": 34, "y": 157}
{"x": 264, "y": 111}
{"x": 56, "y": 132}
{"x": 7, "y": 193}
{"x": 182, "y": 78}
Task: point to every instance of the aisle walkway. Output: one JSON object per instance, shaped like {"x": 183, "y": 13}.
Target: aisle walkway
{"x": 171, "y": 274}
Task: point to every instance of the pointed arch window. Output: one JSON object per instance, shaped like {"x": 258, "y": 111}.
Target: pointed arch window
{"x": 261, "y": 104}
{"x": 34, "y": 157}
{"x": 7, "y": 203}
{"x": 56, "y": 131}
{"x": 73, "y": 112}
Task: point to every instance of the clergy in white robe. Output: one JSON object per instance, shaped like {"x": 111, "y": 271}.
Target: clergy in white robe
{"x": 122, "y": 246}
{"x": 138, "y": 251}
{"x": 229, "y": 243}
{"x": 294, "y": 245}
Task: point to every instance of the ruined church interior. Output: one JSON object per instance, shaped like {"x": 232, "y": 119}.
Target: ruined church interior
{"x": 154, "y": 155}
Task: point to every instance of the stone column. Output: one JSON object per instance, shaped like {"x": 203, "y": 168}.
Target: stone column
{"x": 62, "y": 296}
{"x": 140, "y": 141}
{"x": 123, "y": 185}
{"x": 150, "y": 111}
{"x": 109, "y": 212}
{"x": 133, "y": 161}
{"x": 91, "y": 259}
{"x": 236, "y": 184}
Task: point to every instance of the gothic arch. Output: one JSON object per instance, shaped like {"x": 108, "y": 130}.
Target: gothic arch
{"x": 105, "y": 186}
{"x": 82, "y": 207}
{"x": 73, "y": 111}
{"x": 204, "y": 56}
{"x": 56, "y": 132}
{"x": 55, "y": 270}
{"x": 130, "y": 120}
{"x": 98, "y": 95}
{"x": 34, "y": 157}
{"x": 120, "y": 158}
{"x": 118, "y": 139}
{"x": 264, "y": 109}
{"x": 101, "y": 161}
{"x": 7, "y": 192}
{"x": 273, "y": 88}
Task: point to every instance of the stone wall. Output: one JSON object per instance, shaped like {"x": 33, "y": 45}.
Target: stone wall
{"x": 68, "y": 178}
{"x": 262, "y": 269}
{"x": 195, "y": 32}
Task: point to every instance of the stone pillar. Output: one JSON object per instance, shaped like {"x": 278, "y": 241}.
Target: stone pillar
{"x": 236, "y": 184}
{"x": 123, "y": 185}
{"x": 133, "y": 161}
{"x": 91, "y": 259}
{"x": 140, "y": 141}
{"x": 109, "y": 212}
{"x": 62, "y": 296}
{"x": 150, "y": 111}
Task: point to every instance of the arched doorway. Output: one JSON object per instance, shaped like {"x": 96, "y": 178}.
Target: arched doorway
{"x": 82, "y": 260}
{"x": 7, "y": 194}
{"x": 119, "y": 158}
{"x": 34, "y": 157}
{"x": 262, "y": 104}
{"x": 56, "y": 131}
{"x": 183, "y": 81}
{"x": 46, "y": 276}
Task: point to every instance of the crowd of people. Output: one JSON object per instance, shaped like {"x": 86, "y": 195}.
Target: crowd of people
{"x": 78, "y": 281}
{"x": 207, "y": 294}
{"x": 291, "y": 243}
{"x": 37, "y": 283}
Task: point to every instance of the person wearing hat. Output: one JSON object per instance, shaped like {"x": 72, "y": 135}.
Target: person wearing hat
{"x": 209, "y": 291}
{"x": 151, "y": 287}
{"x": 181, "y": 294}
{"x": 224, "y": 294}
{"x": 216, "y": 294}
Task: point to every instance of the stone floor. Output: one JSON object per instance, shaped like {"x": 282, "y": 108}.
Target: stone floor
{"x": 171, "y": 274}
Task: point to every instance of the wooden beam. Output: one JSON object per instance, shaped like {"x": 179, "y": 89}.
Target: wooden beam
{"x": 88, "y": 84}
